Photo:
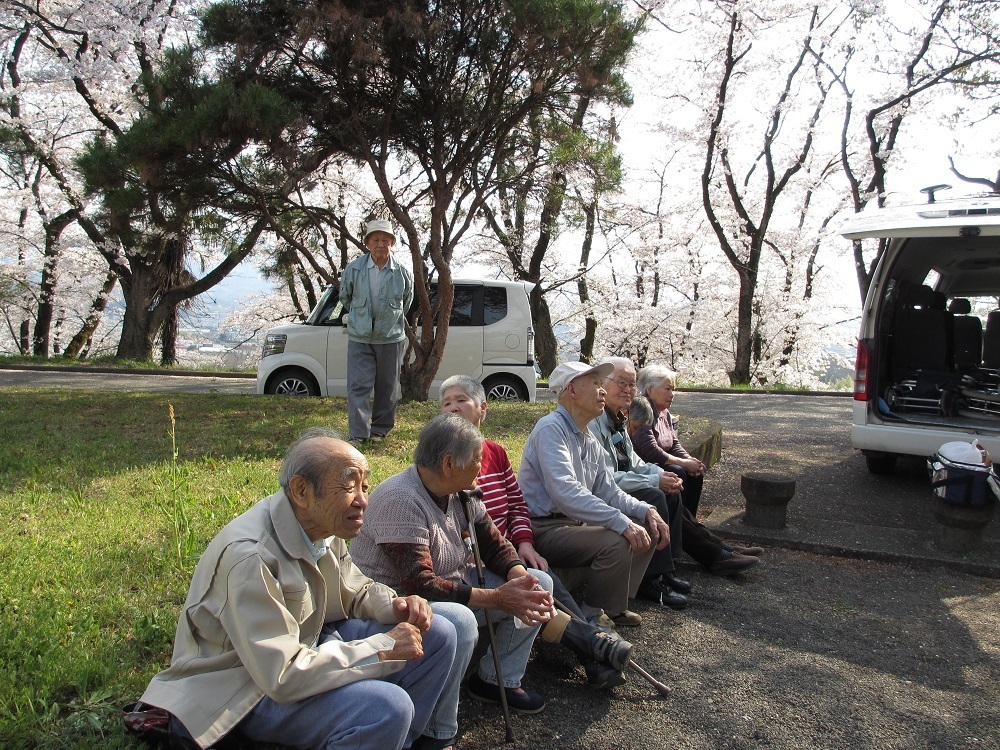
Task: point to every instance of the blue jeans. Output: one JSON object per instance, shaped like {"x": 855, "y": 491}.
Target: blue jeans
{"x": 444, "y": 721}
{"x": 513, "y": 643}
{"x": 390, "y": 712}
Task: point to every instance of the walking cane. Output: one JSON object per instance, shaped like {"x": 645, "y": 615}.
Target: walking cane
{"x": 662, "y": 689}
{"x": 470, "y": 540}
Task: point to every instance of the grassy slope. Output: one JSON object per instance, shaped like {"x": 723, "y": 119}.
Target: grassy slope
{"x": 101, "y": 524}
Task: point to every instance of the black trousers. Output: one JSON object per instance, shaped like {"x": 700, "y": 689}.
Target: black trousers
{"x": 691, "y": 494}
{"x": 663, "y": 559}
{"x": 696, "y": 540}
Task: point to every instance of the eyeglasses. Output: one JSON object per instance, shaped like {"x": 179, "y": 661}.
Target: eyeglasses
{"x": 625, "y": 386}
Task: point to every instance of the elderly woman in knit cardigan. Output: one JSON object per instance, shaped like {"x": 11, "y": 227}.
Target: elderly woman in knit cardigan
{"x": 417, "y": 535}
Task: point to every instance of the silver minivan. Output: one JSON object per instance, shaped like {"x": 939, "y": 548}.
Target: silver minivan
{"x": 490, "y": 337}
{"x": 928, "y": 359}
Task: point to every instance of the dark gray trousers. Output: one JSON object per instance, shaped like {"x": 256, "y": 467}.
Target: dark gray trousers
{"x": 372, "y": 387}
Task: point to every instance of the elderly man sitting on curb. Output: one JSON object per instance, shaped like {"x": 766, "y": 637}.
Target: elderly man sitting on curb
{"x": 604, "y": 656}
{"x": 579, "y": 516}
{"x": 632, "y": 472}
{"x": 415, "y": 539}
{"x": 650, "y": 484}
{"x": 283, "y": 640}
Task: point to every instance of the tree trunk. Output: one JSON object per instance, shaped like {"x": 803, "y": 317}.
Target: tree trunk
{"x": 546, "y": 345}
{"x": 41, "y": 340}
{"x": 740, "y": 374}
{"x": 140, "y": 323}
{"x": 82, "y": 337}
{"x": 417, "y": 376}
{"x": 24, "y": 338}
{"x": 590, "y": 322}
{"x": 168, "y": 338}
{"x": 589, "y": 336}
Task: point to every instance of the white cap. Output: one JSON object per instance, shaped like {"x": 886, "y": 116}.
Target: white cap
{"x": 380, "y": 225}
{"x": 569, "y": 371}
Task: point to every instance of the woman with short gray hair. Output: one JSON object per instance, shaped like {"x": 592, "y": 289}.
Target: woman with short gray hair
{"x": 414, "y": 539}
{"x": 441, "y": 438}
{"x": 658, "y": 443}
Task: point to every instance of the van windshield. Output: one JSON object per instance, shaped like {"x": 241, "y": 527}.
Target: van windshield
{"x": 328, "y": 311}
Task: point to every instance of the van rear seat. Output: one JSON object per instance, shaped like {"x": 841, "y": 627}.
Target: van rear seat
{"x": 967, "y": 335}
{"x": 991, "y": 341}
{"x": 922, "y": 334}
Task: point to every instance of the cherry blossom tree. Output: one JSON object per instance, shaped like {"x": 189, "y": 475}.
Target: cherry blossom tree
{"x": 434, "y": 91}
{"x": 68, "y": 72}
{"x": 913, "y": 52}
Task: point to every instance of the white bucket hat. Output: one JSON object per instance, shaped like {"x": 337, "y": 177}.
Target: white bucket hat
{"x": 379, "y": 225}
{"x": 569, "y": 371}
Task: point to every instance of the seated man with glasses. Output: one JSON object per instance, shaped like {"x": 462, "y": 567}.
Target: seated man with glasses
{"x": 659, "y": 487}
{"x": 646, "y": 483}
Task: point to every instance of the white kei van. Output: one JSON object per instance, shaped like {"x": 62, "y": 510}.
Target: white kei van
{"x": 490, "y": 337}
{"x": 928, "y": 361}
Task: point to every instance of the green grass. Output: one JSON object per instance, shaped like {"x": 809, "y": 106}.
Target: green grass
{"x": 106, "y": 505}
{"x": 100, "y": 517}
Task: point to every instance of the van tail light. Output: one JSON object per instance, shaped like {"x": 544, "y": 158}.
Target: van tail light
{"x": 861, "y": 370}
{"x": 531, "y": 346}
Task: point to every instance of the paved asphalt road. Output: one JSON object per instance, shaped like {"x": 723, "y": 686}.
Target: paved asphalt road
{"x": 153, "y": 382}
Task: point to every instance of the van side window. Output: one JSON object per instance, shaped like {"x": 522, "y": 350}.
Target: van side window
{"x": 466, "y": 309}
{"x": 334, "y": 315}
{"x": 495, "y": 305}
{"x": 462, "y": 309}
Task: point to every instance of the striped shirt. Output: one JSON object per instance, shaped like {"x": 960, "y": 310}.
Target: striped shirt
{"x": 502, "y": 495}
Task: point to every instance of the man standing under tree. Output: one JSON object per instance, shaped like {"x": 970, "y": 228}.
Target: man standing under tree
{"x": 376, "y": 291}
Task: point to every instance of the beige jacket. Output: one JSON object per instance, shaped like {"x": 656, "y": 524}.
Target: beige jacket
{"x": 252, "y": 618}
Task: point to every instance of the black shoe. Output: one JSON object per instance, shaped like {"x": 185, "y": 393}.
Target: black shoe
{"x": 656, "y": 590}
{"x": 650, "y": 591}
{"x": 592, "y": 644}
{"x": 602, "y": 676}
{"x": 730, "y": 563}
{"x": 519, "y": 700}
{"x": 424, "y": 742}
{"x": 748, "y": 551}
{"x": 679, "y": 585}
{"x": 674, "y": 600}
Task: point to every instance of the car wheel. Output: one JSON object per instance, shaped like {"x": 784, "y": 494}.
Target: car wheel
{"x": 293, "y": 383}
{"x": 505, "y": 388}
{"x": 881, "y": 464}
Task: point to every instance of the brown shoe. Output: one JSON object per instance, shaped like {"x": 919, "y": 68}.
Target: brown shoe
{"x": 731, "y": 563}
{"x": 628, "y": 619}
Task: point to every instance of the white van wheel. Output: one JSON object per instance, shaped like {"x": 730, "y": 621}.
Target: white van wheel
{"x": 505, "y": 389}
{"x": 293, "y": 383}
